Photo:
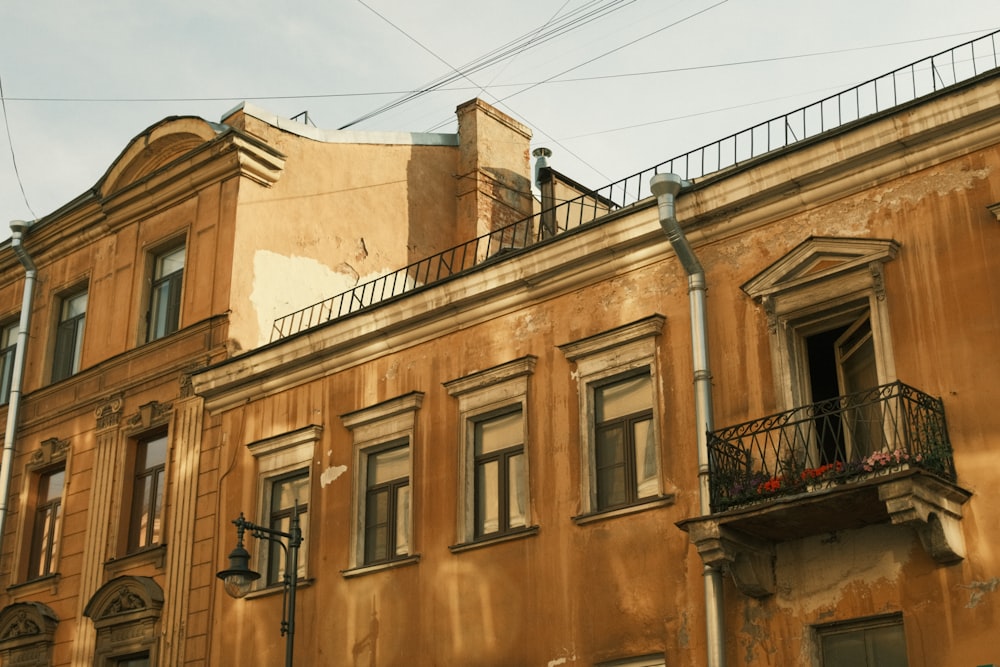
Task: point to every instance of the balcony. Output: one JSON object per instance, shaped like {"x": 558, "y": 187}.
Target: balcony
{"x": 878, "y": 456}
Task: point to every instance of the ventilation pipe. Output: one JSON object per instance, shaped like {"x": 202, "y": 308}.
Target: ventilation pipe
{"x": 18, "y": 229}
{"x": 546, "y": 188}
{"x": 665, "y": 187}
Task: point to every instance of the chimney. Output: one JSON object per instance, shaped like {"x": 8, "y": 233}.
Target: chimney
{"x": 494, "y": 170}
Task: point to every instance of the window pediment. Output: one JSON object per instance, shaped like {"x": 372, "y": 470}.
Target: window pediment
{"x": 817, "y": 260}
{"x": 124, "y": 600}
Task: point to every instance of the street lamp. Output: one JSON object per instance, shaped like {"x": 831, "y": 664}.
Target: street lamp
{"x": 239, "y": 578}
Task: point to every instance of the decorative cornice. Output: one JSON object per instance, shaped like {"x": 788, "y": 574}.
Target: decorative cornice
{"x": 149, "y": 414}
{"x": 492, "y": 376}
{"x": 49, "y": 451}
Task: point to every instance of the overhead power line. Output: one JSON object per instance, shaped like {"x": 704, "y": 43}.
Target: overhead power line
{"x": 516, "y": 84}
{"x": 10, "y": 143}
{"x": 579, "y": 17}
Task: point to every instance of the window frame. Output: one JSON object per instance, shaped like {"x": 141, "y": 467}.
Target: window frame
{"x": 858, "y": 626}
{"x": 9, "y": 327}
{"x": 280, "y": 458}
{"x": 375, "y": 429}
{"x": 174, "y": 283}
{"x": 391, "y": 488}
{"x": 133, "y": 541}
{"x": 63, "y": 366}
{"x": 274, "y": 575}
{"x": 626, "y": 423}
{"x": 483, "y": 396}
{"x": 602, "y": 359}
{"x": 36, "y": 546}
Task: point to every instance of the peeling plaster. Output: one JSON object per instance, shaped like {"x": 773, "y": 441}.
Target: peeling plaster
{"x": 979, "y": 590}
{"x": 330, "y": 474}
{"x": 283, "y": 284}
{"x": 569, "y": 655}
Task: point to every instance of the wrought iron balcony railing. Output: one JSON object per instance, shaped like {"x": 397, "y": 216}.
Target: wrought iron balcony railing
{"x": 901, "y": 86}
{"x": 837, "y": 441}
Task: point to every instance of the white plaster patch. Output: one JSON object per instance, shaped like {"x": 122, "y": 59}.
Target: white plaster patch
{"x": 283, "y": 284}
{"x": 330, "y": 474}
{"x": 560, "y": 661}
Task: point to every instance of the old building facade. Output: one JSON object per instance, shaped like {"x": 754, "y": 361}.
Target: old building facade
{"x": 742, "y": 417}
{"x": 180, "y": 257}
{"x": 503, "y": 463}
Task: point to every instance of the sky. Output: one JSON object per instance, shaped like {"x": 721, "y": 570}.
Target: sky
{"x": 612, "y": 87}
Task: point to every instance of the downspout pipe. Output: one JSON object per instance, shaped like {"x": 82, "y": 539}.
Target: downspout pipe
{"x": 18, "y": 229}
{"x": 666, "y": 187}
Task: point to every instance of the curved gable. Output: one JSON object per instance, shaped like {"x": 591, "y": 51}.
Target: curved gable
{"x": 158, "y": 145}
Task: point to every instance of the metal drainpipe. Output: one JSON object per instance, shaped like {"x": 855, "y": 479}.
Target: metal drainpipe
{"x": 665, "y": 187}
{"x": 18, "y": 228}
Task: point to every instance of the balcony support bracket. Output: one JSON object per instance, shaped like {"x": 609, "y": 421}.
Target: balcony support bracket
{"x": 749, "y": 560}
{"x": 933, "y": 508}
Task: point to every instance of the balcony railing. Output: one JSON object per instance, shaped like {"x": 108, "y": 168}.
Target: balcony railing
{"x": 837, "y": 441}
{"x": 898, "y": 87}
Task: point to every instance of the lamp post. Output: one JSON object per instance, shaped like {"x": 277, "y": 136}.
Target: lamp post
{"x": 238, "y": 578}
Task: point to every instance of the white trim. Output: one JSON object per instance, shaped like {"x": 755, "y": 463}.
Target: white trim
{"x": 495, "y": 390}
{"x": 275, "y": 457}
{"x": 606, "y": 355}
{"x": 382, "y": 426}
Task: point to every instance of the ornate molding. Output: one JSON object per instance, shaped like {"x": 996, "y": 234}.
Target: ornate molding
{"x": 26, "y": 632}
{"x": 878, "y": 280}
{"x": 933, "y": 509}
{"x": 149, "y": 414}
{"x": 124, "y": 600}
{"x": 749, "y": 560}
{"x": 109, "y": 413}
{"x": 49, "y": 450}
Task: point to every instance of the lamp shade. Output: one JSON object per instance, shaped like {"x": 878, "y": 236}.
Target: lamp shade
{"x": 238, "y": 578}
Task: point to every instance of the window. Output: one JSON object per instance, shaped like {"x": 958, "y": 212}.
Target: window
{"x": 163, "y": 317}
{"x": 624, "y": 451}
{"x": 382, "y": 532}
{"x": 387, "y": 505}
{"x": 826, "y": 307}
{"x": 46, "y": 530}
{"x": 284, "y": 480}
{"x": 146, "y": 524}
{"x": 289, "y": 493}
{"x": 141, "y": 660}
{"x": 619, "y": 426}
{"x": 875, "y": 643}
{"x": 69, "y": 336}
{"x": 500, "y": 493}
{"x": 493, "y": 473}
{"x": 8, "y": 347}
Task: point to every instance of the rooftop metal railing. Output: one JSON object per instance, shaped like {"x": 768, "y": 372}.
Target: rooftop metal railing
{"x": 901, "y": 86}
{"x": 839, "y": 440}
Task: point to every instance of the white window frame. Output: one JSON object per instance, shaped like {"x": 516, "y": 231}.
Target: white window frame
{"x": 276, "y": 457}
{"x": 600, "y": 358}
{"x": 494, "y": 391}
{"x": 380, "y": 427}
